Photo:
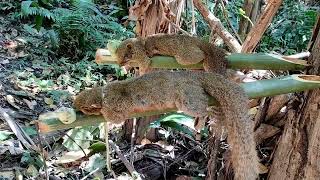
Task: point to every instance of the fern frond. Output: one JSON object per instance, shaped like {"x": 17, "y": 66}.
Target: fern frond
{"x": 25, "y": 8}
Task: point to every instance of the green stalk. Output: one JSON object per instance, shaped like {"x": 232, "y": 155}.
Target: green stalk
{"x": 256, "y": 89}
{"x": 264, "y": 61}
{"x": 281, "y": 85}
{"x": 236, "y": 61}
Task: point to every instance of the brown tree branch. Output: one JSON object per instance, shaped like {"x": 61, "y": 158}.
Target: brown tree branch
{"x": 260, "y": 26}
{"x": 216, "y": 25}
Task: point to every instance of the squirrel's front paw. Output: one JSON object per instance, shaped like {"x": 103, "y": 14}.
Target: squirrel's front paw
{"x": 144, "y": 67}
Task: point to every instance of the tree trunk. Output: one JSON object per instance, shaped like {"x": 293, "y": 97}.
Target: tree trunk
{"x": 152, "y": 17}
{"x": 260, "y": 26}
{"x": 298, "y": 153}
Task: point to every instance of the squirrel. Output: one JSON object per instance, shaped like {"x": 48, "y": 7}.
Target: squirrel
{"x": 186, "y": 49}
{"x": 188, "y": 92}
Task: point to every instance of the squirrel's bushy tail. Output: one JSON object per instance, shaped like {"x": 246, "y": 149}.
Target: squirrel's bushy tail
{"x": 234, "y": 103}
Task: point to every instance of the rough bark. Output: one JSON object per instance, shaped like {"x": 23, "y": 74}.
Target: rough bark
{"x": 298, "y": 152}
{"x": 151, "y": 16}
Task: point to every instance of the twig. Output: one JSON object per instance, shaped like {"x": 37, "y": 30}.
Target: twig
{"x": 18, "y": 131}
{"x": 225, "y": 13}
{"x": 177, "y": 160}
{"x": 216, "y": 24}
{"x": 108, "y": 162}
{"x": 193, "y": 22}
{"x": 212, "y": 164}
{"x": 179, "y": 28}
{"x": 132, "y": 139}
{"x": 92, "y": 172}
{"x": 42, "y": 152}
{"x": 69, "y": 137}
{"x": 298, "y": 56}
{"x": 123, "y": 159}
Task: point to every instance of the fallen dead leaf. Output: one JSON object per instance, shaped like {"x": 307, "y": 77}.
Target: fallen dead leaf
{"x": 263, "y": 169}
{"x": 5, "y": 61}
{"x": 30, "y": 104}
{"x": 10, "y": 99}
{"x": 48, "y": 101}
{"x": 71, "y": 156}
{"x": 7, "y": 174}
{"x": 145, "y": 141}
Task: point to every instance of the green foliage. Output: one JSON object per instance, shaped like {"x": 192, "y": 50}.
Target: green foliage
{"x": 30, "y": 158}
{"x": 290, "y": 30}
{"x": 176, "y": 121}
{"x": 79, "y": 138}
{"x": 97, "y": 161}
{"x": 8, "y": 5}
{"x": 4, "y": 135}
{"x": 37, "y": 8}
{"x": 83, "y": 28}
{"x": 76, "y": 31}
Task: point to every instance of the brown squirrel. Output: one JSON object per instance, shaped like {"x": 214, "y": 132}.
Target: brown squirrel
{"x": 186, "y": 91}
{"x": 186, "y": 49}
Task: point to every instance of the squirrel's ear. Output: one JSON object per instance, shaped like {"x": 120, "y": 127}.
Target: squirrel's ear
{"x": 129, "y": 45}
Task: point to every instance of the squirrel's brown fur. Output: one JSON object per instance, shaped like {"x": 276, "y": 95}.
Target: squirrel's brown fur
{"x": 188, "y": 92}
{"x": 186, "y": 49}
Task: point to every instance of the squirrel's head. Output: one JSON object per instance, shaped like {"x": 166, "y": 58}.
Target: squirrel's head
{"x": 130, "y": 51}
{"x": 89, "y": 101}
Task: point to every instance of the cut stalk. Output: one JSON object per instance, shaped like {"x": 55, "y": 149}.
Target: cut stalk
{"x": 257, "y": 89}
{"x": 281, "y": 85}
{"x": 236, "y": 61}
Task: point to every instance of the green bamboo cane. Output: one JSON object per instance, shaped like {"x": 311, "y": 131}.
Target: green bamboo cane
{"x": 256, "y": 89}
{"x": 236, "y": 60}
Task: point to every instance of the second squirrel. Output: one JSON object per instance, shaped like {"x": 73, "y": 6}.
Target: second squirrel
{"x": 186, "y": 49}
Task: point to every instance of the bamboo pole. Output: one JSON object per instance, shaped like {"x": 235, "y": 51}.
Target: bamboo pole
{"x": 236, "y": 61}
{"x": 257, "y": 89}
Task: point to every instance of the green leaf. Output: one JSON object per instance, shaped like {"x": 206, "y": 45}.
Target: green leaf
{"x": 178, "y": 118}
{"x": 78, "y": 137}
{"x": 96, "y": 161}
{"x": 54, "y": 38}
{"x": 39, "y": 21}
{"x": 177, "y": 121}
{"x": 242, "y": 12}
{"x": 98, "y": 147}
{"x": 4, "y": 135}
{"x": 31, "y": 131}
{"x": 25, "y": 5}
{"x": 31, "y": 159}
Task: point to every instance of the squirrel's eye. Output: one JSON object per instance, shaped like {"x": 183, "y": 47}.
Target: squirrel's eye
{"x": 129, "y": 46}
